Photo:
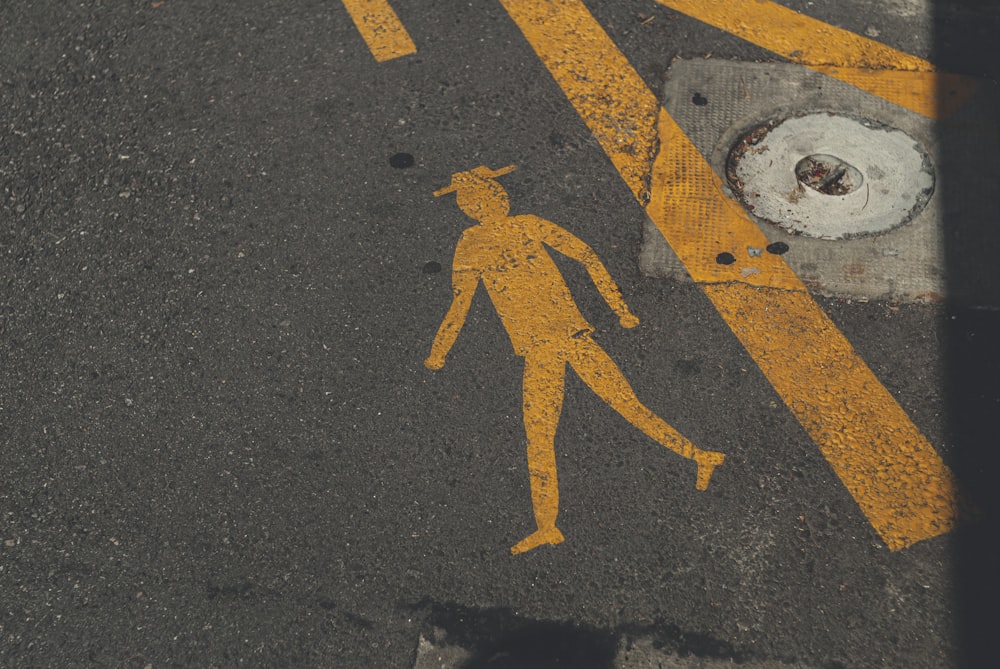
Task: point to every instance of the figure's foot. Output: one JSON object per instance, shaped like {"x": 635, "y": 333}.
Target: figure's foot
{"x": 534, "y": 540}
{"x": 707, "y": 462}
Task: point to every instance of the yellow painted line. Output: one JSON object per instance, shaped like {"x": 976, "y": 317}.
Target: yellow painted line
{"x": 381, "y": 29}
{"x": 891, "y": 74}
{"x": 895, "y": 475}
{"x": 619, "y": 109}
{"x": 892, "y": 471}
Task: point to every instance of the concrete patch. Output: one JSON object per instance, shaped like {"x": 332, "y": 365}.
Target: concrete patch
{"x": 717, "y": 103}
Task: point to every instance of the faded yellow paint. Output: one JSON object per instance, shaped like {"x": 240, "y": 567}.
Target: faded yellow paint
{"x": 627, "y": 119}
{"x": 897, "y": 478}
{"x": 688, "y": 206}
{"x": 888, "y": 466}
{"x": 509, "y": 255}
{"x": 935, "y": 95}
{"x": 381, "y": 29}
{"x": 893, "y": 75}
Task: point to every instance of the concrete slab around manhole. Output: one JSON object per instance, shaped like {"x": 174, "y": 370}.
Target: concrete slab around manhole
{"x": 717, "y": 102}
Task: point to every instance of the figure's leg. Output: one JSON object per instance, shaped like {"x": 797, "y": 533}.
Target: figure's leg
{"x": 600, "y": 372}
{"x": 544, "y": 378}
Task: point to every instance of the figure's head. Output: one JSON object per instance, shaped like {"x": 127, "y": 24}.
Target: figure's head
{"x": 479, "y": 195}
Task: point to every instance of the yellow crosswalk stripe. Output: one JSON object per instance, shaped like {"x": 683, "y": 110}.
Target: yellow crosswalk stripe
{"x": 893, "y": 75}
{"x": 895, "y": 475}
{"x": 381, "y": 29}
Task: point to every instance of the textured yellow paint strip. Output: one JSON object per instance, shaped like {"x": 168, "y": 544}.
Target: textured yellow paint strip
{"x": 612, "y": 99}
{"x": 891, "y": 74}
{"x": 892, "y": 471}
{"x": 935, "y": 95}
{"x": 898, "y": 480}
{"x": 688, "y": 206}
{"x": 381, "y": 29}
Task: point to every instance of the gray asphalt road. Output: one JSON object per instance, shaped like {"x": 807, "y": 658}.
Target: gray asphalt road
{"x": 219, "y": 445}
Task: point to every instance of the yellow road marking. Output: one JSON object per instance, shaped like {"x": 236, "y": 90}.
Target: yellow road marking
{"x": 898, "y": 479}
{"x": 381, "y": 29}
{"x": 891, "y": 74}
{"x": 509, "y": 255}
{"x": 619, "y": 109}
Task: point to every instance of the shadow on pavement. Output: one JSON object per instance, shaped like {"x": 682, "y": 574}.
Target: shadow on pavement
{"x": 966, "y": 43}
{"x": 498, "y": 638}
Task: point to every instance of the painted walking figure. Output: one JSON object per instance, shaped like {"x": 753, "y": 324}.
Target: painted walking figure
{"x": 546, "y": 328}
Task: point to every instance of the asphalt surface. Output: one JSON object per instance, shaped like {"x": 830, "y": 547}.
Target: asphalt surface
{"x": 219, "y": 445}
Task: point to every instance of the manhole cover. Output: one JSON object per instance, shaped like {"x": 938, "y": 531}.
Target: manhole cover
{"x": 830, "y": 176}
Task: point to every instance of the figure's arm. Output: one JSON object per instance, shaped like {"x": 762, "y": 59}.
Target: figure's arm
{"x": 573, "y": 247}
{"x": 463, "y": 279}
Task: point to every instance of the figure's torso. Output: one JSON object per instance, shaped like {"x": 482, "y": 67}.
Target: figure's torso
{"x": 523, "y": 282}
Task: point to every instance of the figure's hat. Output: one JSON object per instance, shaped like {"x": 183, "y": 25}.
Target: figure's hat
{"x": 476, "y": 175}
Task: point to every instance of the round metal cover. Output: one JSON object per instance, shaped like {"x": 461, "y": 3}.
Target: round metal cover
{"x": 830, "y": 176}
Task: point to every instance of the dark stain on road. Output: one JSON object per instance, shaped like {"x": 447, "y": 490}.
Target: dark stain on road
{"x": 401, "y": 160}
{"x": 241, "y": 590}
{"x": 499, "y": 639}
{"x": 687, "y": 368}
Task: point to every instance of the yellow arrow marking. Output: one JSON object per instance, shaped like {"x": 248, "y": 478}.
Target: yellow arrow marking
{"x": 381, "y": 29}
{"x": 898, "y": 479}
{"x": 893, "y": 75}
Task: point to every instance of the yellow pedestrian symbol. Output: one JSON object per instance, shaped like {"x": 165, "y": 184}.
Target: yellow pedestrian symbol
{"x": 546, "y": 328}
